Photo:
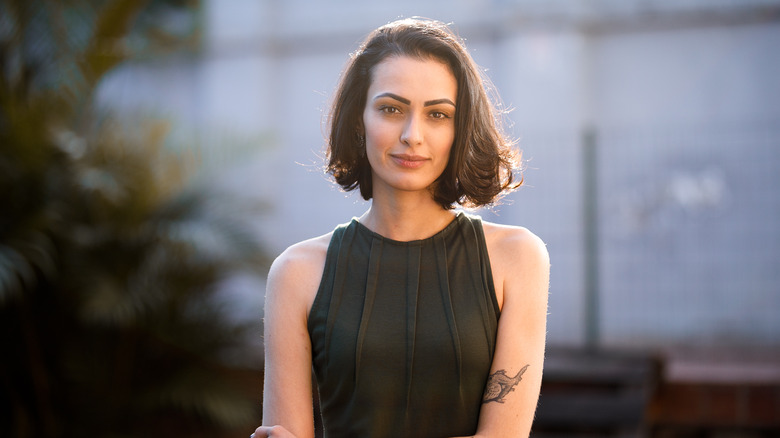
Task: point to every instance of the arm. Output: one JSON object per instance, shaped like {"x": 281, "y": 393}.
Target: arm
{"x": 292, "y": 284}
{"x": 521, "y": 269}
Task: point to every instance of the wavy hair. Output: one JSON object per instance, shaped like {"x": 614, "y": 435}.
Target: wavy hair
{"x": 482, "y": 161}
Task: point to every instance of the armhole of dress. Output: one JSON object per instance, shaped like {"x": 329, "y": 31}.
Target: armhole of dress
{"x": 487, "y": 271}
{"x": 327, "y": 273}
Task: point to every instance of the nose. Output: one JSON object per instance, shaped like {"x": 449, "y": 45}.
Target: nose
{"x": 412, "y": 133}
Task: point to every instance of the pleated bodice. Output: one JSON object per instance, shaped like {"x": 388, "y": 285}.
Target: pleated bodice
{"x": 403, "y": 333}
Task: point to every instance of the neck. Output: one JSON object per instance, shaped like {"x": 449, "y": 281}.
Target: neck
{"x": 406, "y": 218}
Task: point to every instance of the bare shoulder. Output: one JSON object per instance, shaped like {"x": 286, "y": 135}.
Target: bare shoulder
{"x": 302, "y": 257}
{"x": 519, "y": 260}
{"x": 512, "y": 244}
{"x": 296, "y": 273}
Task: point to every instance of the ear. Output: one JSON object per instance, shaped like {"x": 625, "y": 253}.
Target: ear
{"x": 360, "y": 136}
{"x": 359, "y": 128}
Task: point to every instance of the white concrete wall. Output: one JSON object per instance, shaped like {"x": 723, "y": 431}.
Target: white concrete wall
{"x": 259, "y": 91}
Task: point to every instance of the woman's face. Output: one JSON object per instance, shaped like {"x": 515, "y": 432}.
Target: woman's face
{"x": 409, "y": 123}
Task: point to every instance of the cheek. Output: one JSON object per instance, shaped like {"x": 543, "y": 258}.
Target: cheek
{"x": 447, "y": 143}
{"x": 378, "y": 134}
{"x": 375, "y": 141}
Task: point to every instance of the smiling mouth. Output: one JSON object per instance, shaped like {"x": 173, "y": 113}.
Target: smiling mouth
{"x": 409, "y": 161}
{"x": 407, "y": 157}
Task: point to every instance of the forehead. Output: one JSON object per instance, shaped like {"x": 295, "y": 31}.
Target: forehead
{"x": 422, "y": 78}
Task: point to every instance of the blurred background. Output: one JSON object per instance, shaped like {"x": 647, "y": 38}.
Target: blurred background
{"x": 155, "y": 155}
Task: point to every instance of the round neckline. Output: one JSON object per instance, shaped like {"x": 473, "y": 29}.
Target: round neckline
{"x": 450, "y": 226}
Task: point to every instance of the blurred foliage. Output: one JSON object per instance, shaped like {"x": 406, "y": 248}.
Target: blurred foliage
{"x": 110, "y": 252}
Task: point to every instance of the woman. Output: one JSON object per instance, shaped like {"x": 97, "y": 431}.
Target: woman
{"x": 398, "y": 311}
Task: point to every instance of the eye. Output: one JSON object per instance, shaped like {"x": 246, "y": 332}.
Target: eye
{"x": 387, "y": 109}
{"x": 439, "y": 115}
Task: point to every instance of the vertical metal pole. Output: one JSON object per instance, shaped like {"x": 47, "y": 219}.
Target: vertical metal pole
{"x": 592, "y": 314}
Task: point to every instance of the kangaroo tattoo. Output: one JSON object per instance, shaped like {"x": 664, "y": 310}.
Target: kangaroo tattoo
{"x": 499, "y": 385}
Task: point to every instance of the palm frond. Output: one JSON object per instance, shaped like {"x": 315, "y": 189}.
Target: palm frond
{"x": 110, "y": 251}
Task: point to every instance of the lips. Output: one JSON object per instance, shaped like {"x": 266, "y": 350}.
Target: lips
{"x": 409, "y": 161}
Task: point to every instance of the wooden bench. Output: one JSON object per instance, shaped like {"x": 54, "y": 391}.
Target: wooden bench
{"x": 595, "y": 393}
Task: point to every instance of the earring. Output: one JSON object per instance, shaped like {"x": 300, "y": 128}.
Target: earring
{"x": 361, "y": 144}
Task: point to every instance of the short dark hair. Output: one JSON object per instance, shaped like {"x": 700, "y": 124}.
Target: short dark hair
{"x": 482, "y": 160}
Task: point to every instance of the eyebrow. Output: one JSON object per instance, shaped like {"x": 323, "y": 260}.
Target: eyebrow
{"x": 406, "y": 101}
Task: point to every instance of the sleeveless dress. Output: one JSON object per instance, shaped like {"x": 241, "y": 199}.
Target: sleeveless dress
{"x": 403, "y": 333}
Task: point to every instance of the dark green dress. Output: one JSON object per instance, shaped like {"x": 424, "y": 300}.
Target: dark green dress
{"x": 403, "y": 333}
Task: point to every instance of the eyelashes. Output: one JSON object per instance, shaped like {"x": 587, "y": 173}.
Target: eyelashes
{"x": 394, "y": 110}
{"x": 387, "y": 109}
{"x": 440, "y": 115}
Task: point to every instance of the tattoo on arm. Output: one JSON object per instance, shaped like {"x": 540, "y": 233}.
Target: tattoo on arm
{"x": 499, "y": 385}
